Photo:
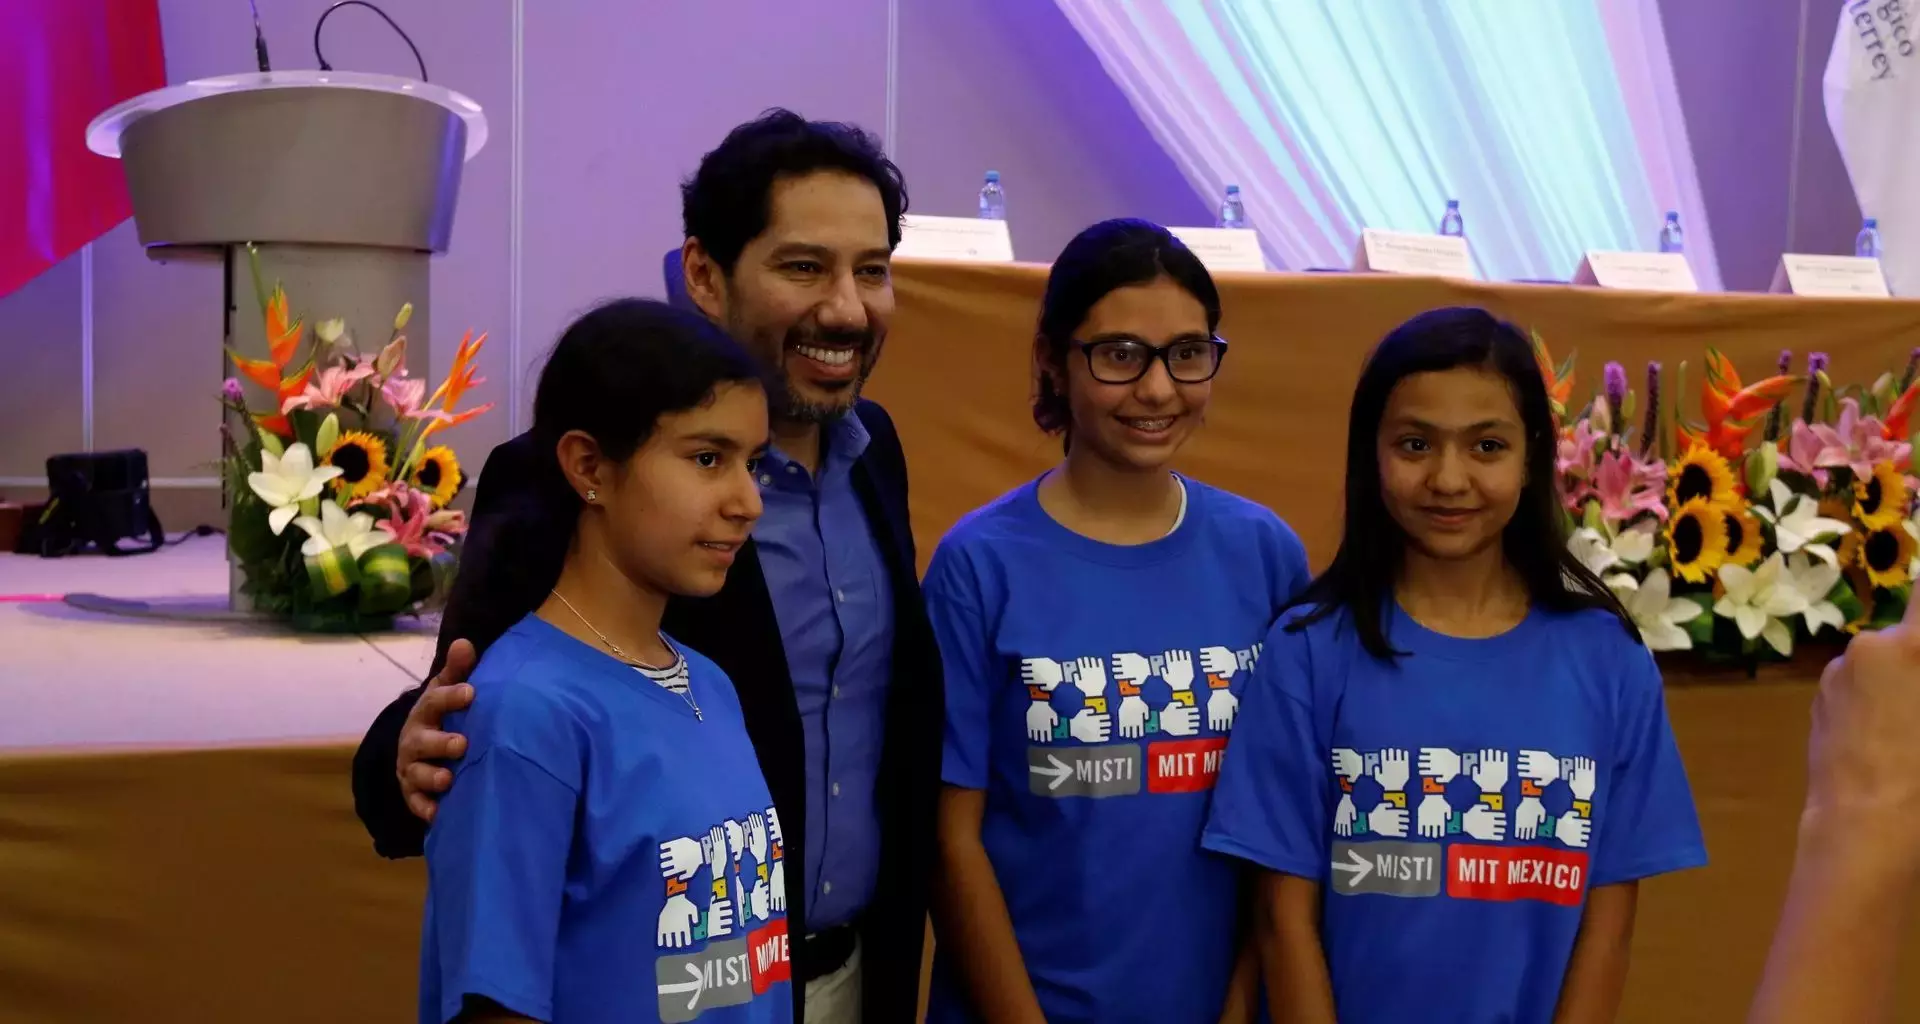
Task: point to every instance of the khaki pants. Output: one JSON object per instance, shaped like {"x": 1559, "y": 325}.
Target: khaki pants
{"x": 835, "y": 998}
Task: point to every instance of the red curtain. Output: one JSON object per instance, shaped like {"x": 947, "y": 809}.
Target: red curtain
{"x": 62, "y": 62}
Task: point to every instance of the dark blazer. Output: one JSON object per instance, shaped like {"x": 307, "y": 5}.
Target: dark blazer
{"x": 737, "y": 629}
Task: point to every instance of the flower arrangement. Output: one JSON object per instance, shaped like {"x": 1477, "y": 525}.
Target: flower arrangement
{"x": 339, "y": 496}
{"x": 1776, "y": 518}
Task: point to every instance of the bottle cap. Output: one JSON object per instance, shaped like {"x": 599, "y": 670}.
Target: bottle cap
{"x": 1871, "y": 222}
{"x": 1233, "y": 190}
{"x": 1453, "y": 204}
{"x": 1673, "y": 215}
{"x": 993, "y": 175}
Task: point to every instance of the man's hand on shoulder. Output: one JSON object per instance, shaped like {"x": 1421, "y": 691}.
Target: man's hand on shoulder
{"x": 422, "y": 742}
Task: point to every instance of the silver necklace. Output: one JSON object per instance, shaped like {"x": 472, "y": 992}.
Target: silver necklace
{"x": 686, "y": 694}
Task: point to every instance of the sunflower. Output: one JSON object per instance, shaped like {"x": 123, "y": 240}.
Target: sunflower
{"x": 1743, "y": 534}
{"x": 1885, "y": 553}
{"x": 437, "y": 474}
{"x": 1701, "y": 473}
{"x": 1697, "y": 540}
{"x": 362, "y": 459}
{"x": 1881, "y": 499}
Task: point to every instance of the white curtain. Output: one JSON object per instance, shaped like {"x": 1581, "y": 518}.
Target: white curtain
{"x": 1554, "y": 122}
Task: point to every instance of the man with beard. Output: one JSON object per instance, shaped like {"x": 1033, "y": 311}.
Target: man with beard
{"x": 790, "y": 227}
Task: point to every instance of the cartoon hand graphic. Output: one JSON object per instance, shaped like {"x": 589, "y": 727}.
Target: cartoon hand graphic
{"x": 1393, "y": 771}
{"x": 1041, "y": 718}
{"x": 1526, "y": 821}
{"x": 1222, "y": 706}
{"x": 1042, "y": 672}
{"x": 1090, "y": 726}
{"x": 1539, "y": 767}
{"x": 1491, "y": 773}
{"x": 1130, "y": 671}
{"x": 1572, "y": 829}
{"x": 1219, "y": 664}
{"x": 777, "y": 886}
{"x": 1133, "y": 716}
{"x": 1387, "y": 820}
{"x": 715, "y": 847}
{"x": 1348, "y": 764}
{"x": 762, "y": 897}
{"x": 773, "y": 828}
{"x": 676, "y": 921}
{"x": 736, "y": 840}
{"x": 680, "y": 858}
{"x": 1439, "y": 763}
{"x": 1581, "y": 779}
{"x": 1092, "y": 678}
{"x": 1344, "y": 815}
{"x": 757, "y": 837}
{"x": 1179, "y": 719}
{"x": 719, "y": 917}
{"x": 1483, "y": 822}
{"x": 1179, "y": 670}
{"x": 1435, "y": 812}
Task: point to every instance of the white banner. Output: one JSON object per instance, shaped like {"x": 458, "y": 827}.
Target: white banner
{"x": 1872, "y": 89}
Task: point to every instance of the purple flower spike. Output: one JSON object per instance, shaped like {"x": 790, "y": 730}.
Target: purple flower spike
{"x": 1650, "y": 432}
{"x": 231, "y": 391}
{"x": 1786, "y": 361}
{"x": 1816, "y": 363}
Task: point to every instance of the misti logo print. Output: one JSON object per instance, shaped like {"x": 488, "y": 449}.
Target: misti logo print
{"x": 1172, "y": 710}
{"x": 743, "y": 946}
{"x": 1462, "y": 795}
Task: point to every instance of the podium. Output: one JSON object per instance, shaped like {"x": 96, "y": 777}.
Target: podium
{"x": 345, "y": 183}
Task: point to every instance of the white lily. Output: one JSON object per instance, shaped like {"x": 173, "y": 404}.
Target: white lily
{"x": 287, "y": 479}
{"x": 1815, "y": 580}
{"x": 1913, "y": 530}
{"x": 1758, "y": 601}
{"x": 358, "y": 533}
{"x": 1659, "y": 615}
{"x": 1599, "y": 552}
{"x": 1798, "y": 524}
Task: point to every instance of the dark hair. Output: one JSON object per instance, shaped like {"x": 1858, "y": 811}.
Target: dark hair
{"x": 1108, "y": 256}
{"x": 612, "y": 375}
{"x": 1362, "y": 576}
{"x": 727, "y": 202}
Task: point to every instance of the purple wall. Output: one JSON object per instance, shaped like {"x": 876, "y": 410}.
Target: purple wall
{"x": 1734, "y": 62}
{"x": 1009, "y": 85}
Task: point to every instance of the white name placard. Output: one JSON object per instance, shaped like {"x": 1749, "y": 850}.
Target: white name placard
{"x": 1224, "y": 248}
{"x": 1830, "y": 276}
{"x": 1401, "y": 252}
{"x": 954, "y": 238}
{"x": 1640, "y": 271}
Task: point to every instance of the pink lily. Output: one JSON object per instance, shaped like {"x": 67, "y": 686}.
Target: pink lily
{"x": 330, "y": 386}
{"x": 408, "y": 395}
{"x": 1575, "y": 461}
{"x": 1856, "y": 443}
{"x": 415, "y": 525}
{"x": 1627, "y": 486}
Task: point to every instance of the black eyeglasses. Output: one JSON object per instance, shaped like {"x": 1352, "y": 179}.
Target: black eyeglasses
{"x": 1125, "y": 360}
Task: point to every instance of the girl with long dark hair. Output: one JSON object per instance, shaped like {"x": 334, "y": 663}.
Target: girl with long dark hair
{"x": 1096, "y": 625}
{"x": 1453, "y": 763}
{"x": 610, "y": 851}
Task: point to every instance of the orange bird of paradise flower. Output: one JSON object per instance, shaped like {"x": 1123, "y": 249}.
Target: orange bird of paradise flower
{"x": 1559, "y": 381}
{"x": 283, "y": 340}
{"x": 459, "y": 379}
{"x": 1900, "y": 414}
{"x": 1733, "y": 411}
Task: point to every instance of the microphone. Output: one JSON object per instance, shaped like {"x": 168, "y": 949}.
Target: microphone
{"x": 259, "y": 39}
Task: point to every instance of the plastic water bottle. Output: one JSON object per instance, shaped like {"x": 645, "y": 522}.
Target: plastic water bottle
{"x": 993, "y": 198}
{"x": 1671, "y": 238}
{"x": 1451, "y": 223}
{"x": 1233, "y": 213}
{"x": 1867, "y": 242}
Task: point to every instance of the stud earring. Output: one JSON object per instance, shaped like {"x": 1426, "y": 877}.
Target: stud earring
{"x": 593, "y": 495}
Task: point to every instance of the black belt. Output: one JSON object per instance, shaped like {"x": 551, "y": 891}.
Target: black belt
{"x": 823, "y": 953}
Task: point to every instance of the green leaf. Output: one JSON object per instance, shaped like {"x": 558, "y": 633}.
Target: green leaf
{"x": 1888, "y": 608}
{"x": 1700, "y": 628}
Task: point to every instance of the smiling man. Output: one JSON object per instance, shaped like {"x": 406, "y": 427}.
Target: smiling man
{"x": 790, "y": 227}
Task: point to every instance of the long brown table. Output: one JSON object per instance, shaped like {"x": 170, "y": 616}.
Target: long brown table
{"x": 235, "y": 884}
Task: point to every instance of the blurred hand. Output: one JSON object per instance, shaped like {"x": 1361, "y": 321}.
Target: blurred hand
{"x": 1863, "y": 764}
{"x": 422, "y": 742}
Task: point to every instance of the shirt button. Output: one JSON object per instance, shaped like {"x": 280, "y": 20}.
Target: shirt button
{"x": 793, "y": 467}
{"x": 836, "y": 789}
{"x": 765, "y": 479}
{"x": 836, "y": 689}
{"x": 839, "y": 595}
{"x": 826, "y": 888}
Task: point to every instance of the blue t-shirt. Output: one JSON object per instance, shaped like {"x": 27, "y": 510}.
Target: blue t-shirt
{"x": 1090, "y": 689}
{"x": 1457, "y": 806}
{"x": 604, "y": 854}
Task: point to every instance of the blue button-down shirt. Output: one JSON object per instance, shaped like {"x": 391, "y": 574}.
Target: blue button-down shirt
{"x": 834, "y": 602}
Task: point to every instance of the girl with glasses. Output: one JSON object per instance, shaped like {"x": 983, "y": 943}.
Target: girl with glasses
{"x": 1454, "y": 766}
{"x": 1096, "y": 626}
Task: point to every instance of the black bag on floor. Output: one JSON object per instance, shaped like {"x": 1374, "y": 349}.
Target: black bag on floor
{"x": 95, "y": 499}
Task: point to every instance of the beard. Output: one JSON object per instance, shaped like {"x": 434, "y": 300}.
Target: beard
{"x": 786, "y": 398}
